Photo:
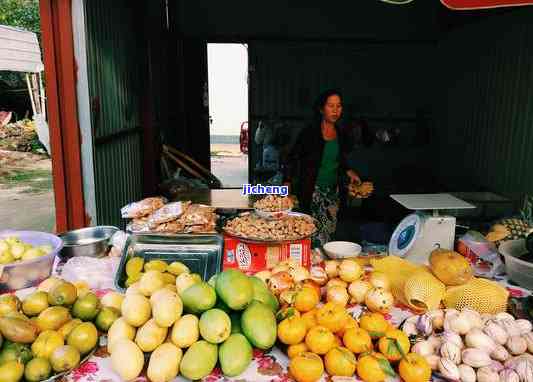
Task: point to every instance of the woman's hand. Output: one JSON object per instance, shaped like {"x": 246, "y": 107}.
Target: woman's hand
{"x": 354, "y": 178}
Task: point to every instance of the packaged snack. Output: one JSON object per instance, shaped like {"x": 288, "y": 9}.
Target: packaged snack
{"x": 167, "y": 213}
{"x": 138, "y": 225}
{"x": 197, "y": 214}
{"x": 142, "y": 208}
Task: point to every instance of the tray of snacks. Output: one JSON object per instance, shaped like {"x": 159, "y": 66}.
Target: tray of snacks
{"x": 250, "y": 226}
{"x": 154, "y": 215}
{"x": 273, "y": 207}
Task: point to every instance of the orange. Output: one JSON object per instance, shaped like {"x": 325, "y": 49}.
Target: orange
{"x": 350, "y": 323}
{"x": 306, "y": 367}
{"x": 286, "y": 312}
{"x": 292, "y": 330}
{"x": 306, "y": 299}
{"x": 313, "y": 285}
{"x": 414, "y": 368}
{"x": 394, "y": 345}
{"x": 374, "y": 323}
{"x": 374, "y": 368}
{"x": 310, "y": 319}
{"x": 294, "y": 350}
{"x": 340, "y": 361}
{"x": 332, "y": 316}
{"x": 357, "y": 340}
{"x": 320, "y": 340}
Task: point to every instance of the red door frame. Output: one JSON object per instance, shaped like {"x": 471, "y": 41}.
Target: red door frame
{"x": 65, "y": 139}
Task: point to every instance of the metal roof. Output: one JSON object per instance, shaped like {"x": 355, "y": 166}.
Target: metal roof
{"x": 19, "y": 50}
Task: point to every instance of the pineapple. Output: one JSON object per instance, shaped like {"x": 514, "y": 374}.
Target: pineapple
{"x": 519, "y": 228}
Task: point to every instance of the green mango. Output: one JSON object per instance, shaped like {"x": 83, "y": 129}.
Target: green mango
{"x": 198, "y": 298}
{"x": 235, "y": 355}
{"x": 234, "y": 288}
{"x": 258, "y": 324}
{"x": 199, "y": 360}
{"x": 263, "y": 294}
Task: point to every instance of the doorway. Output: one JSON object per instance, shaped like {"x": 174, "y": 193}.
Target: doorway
{"x": 227, "y": 66}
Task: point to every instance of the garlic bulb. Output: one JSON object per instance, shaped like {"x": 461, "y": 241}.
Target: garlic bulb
{"x": 409, "y": 326}
{"x": 437, "y": 318}
{"x": 516, "y": 345}
{"x": 529, "y": 340}
{"x": 508, "y": 375}
{"x": 453, "y": 338}
{"x": 513, "y": 361}
{"x": 467, "y": 373}
{"x": 475, "y": 338}
{"x": 449, "y": 315}
{"x": 486, "y": 317}
{"x": 318, "y": 275}
{"x": 435, "y": 341}
{"x": 451, "y": 351}
{"x": 486, "y": 374}
{"x": 500, "y": 354}
{"x": 460, "y": 324}
{"x": 496, "y": 366}
{"x": 475, "y": 358}
{"x": 510, "y": 327}
{"x": 332, "y": 268}
{"x": 424, "y": 348}
{"x": 474, "y": 317}
{"x": 496, "y": 332}
{"x": 424, "y": 325}
{"x": 358, "y": 290}
{"x": 504, "y": 316}
{"x": 448, "y": 369}
{"x": 524, "y": 369}
{"x": 524, "y": 326}
{"x": 433, "y": 361}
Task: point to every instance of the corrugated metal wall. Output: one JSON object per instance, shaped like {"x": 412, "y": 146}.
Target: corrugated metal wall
{"x": 485, "y": 131}
{"x": 382, "y": 83}
{"x": 115, "y": 88}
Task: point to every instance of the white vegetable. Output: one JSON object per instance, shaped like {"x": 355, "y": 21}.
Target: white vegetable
{"x": 496, "y": 332}
{"x": 433, "y": 361}
{"x": 500, "y": 354}
{"x": 448, "y": 369}
{"x": 452, "y": 337}
{"x": 435, "y": 341}
{"x": 504, "y": 316}
{"x": 486, "y": 374}
{"x": 524, "y": 326}
{"x": 529, "y": 340}
{"x": 460, "y": 324}
{"x": 474, "y": 317}
{"x": 516, "y": 345}
{"x": 409, "y": 326}
{"x": 475, "y": 358}
{"x": 424, "y": 348}
{"x": 510, "y": 327}
{"x": 524, "y": 369}
{"x": 449, "y": 315}
{"x": 451, "y": 351}
{"x": 508, "y": 375}
{"x": 467, "y": 373}
{"x": 425, "y": 325}
{"x": 475, "y": 338}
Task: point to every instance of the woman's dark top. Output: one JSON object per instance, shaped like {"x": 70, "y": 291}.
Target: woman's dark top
{"x": 301, "y": 166}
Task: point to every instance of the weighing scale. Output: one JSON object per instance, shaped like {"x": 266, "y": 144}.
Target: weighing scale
{"x": 419, "y": 233}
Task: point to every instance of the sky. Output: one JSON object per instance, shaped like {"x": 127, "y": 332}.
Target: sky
{"x": 228, "y": 87}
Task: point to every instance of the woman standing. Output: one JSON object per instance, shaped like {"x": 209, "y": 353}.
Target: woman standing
{"x": 317, "y": 165}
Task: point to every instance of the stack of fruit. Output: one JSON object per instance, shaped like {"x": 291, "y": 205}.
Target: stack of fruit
{"x": 12, "y": 249}
{"x": 50, "y": 330}
{"x": 325, "y": 337}
{"x": 224, "y": 318}
{"x": 470, "y": 347}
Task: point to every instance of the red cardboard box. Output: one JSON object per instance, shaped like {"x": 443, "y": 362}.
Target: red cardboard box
{"x": 251, "y": 257}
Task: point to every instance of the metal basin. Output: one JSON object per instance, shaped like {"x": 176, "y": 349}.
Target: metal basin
{"x": 90, "y": 241}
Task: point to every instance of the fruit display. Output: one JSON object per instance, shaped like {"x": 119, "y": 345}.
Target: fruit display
{"x": 185, "y": 325}
{"x": 469, "y": 346}
{"x": 50, "y": 330}
{"x": 12, "y": 250}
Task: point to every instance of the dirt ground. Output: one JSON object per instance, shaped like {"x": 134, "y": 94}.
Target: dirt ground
{"x": 26, "y": 192}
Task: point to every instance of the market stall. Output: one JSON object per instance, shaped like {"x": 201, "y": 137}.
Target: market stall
{"x": 185, "y": 295}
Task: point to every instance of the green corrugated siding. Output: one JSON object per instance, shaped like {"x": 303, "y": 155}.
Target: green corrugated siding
{"x": 485, "y": 132}
{"x": 114, "y": 86}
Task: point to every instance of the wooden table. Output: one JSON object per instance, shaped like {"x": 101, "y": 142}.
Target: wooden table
{"x": 229, "y": 198}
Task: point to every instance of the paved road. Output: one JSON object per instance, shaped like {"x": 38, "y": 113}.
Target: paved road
{"x": 231, "y": 170}
{"x": 27, "y": 211}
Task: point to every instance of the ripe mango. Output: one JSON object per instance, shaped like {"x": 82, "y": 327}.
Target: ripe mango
{"x": 234, "y": 288}
{"x": 199, "y": 360}
{"x": 235, "y": 354}
{"x": 199, "y": 297}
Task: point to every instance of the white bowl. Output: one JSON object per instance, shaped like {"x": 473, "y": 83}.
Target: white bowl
{"x": 342, "y": 249}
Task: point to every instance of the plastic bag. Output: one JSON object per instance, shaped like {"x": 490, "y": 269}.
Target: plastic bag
{"x": 138, "y": 225}
{"x": 142, "y": 208}
{"x": 482, "y": 254}
{"x": 167, "y": 213}
{"x": 97, "y": 273}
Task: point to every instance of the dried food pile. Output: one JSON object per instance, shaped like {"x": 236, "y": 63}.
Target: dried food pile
{"x": 253, "y": 227}
{"x": 274, "y": 203}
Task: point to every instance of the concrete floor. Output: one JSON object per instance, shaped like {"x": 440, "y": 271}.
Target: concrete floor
{"x": 229, "y": 165}
{"x": 27, "y": 211}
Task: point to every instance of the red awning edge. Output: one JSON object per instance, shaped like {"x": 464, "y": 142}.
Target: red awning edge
{"x": 483, "y": 4}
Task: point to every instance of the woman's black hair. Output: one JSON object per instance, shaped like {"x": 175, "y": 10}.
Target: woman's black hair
{"x": 321, "y": 102}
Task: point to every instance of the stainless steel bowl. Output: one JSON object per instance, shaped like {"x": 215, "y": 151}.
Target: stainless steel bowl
{"x": 90, "y": 241}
